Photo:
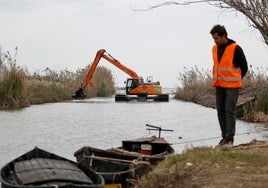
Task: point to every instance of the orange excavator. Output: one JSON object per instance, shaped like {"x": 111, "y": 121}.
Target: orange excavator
{"x": 136, "y": 88}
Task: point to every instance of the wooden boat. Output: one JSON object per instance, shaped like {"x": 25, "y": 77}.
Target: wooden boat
{"x": 41, "y": 169}
{"x": 128, "y": 162}
{"x": 245, "y": 107}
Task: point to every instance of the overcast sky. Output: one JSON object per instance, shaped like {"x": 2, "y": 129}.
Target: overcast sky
{"x": 62, "y": 34}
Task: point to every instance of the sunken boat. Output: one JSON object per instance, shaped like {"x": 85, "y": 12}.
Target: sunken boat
{"x": 41, "y": 169}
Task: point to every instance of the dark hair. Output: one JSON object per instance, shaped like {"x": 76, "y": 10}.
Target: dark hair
{"x": 220, "y": 29}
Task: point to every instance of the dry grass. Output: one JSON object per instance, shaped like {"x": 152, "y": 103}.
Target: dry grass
{"x": 195, "y": 83}
{"x": 207, "y": 167}
{"x": 44, "y": 91}
{"x": 12, "y": 88}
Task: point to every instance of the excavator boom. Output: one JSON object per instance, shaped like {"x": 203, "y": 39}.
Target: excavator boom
{"x": 102, "y": 54}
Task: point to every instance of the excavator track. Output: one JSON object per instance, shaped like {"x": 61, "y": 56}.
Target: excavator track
{"x": 122, "y": 98}
{"x": 162, "y": 98}
{"x": 126, "y": 98}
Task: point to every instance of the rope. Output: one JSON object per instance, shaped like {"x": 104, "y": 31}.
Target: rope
{"x": 122, "y": 151}
{"x": 137, "y": 162}
{"x": 119, "y": 172}
{"x": 211, "y": 138}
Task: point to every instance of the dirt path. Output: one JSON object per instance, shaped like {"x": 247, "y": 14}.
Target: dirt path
{"x": 255, "y": 146}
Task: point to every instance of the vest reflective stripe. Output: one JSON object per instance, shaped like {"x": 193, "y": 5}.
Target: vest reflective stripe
{"x": 225, "y": 69}
{"x": 225, "y": 74}
{"x": 227, "y": 79}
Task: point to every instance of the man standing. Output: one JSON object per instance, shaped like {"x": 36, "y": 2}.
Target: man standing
{"x": 230, "y": 66}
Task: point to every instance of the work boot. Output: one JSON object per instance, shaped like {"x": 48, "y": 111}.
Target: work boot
{"x": 220, "y": 144}
{"x": 228, "y": 144}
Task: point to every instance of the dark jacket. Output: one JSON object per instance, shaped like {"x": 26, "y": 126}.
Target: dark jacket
{"x": 239, "y": 57}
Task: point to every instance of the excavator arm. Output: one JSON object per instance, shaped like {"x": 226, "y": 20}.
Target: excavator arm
{"x": 103, "y": 54}
{"x": 88, "y": 78}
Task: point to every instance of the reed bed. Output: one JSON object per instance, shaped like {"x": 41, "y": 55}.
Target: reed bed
{"x": 19, "y": 88}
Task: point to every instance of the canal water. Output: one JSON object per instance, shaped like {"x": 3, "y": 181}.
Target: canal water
{"x": 63, "y": 128}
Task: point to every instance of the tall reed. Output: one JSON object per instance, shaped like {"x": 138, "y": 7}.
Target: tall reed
{"x": 194, "y": 82}
{"x": 12, "y": 88}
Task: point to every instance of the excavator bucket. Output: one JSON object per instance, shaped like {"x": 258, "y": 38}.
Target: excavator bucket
{"x": 79, "y": 94}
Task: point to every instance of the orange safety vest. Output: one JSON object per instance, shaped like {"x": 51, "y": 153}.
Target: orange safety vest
{"x": 225, "y": 74}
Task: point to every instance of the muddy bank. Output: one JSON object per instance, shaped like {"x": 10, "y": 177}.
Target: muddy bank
{"x": 209, "y": 100}
{"x": 246, "y": 96}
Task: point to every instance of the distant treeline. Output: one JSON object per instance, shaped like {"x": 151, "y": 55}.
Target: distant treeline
{"x": 19, "y": 88}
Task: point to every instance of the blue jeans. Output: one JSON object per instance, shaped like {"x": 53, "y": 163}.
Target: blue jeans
{"x": 226, "y": 99}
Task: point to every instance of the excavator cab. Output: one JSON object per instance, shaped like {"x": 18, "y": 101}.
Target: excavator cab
{"x": 132, "y": 84}
{"x": 142, "y": 91}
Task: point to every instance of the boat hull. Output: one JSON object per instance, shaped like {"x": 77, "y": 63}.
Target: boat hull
{"x": 41, "y": 169}
{"x": 128, "y": 162}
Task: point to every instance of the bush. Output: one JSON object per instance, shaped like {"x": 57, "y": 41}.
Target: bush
{"x": 104, "y": 82}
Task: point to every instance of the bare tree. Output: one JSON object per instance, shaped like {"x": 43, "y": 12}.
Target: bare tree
{"x": 256, "y": 11}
